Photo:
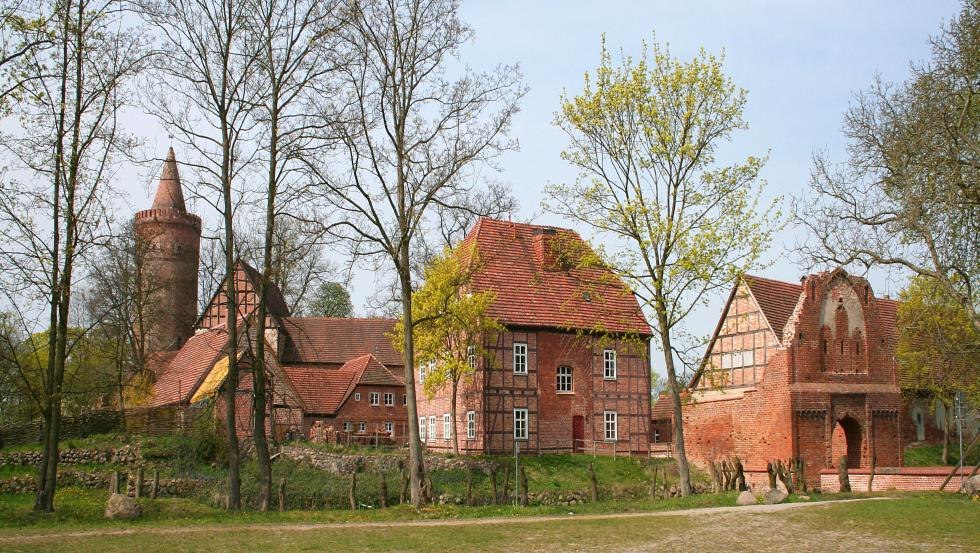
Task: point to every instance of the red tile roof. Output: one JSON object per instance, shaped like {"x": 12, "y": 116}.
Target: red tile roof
{"x": 888, "y": 315}
{"x": 169, "y": 193}
{"x": 187, "y": 369}
{"x": 327, "y": 340}
{"x": 532, "y": 290}
{"x": 325, "y": 390}
{"x": 776, "y": 299}
{"x": 663, "y": 408}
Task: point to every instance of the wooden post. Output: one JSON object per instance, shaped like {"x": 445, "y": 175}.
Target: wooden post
{"x": 155, "y": 487}
{"x": 871, "y": 475}
{"x": 653, "y": 486}
{"x": 384, "y": 490}
{"x": 282, "y": 495}
{"x": 845, "y": 481}
{"x": 505, "y": 493}
{"x": 114, "y": 482}
{"x": 715, "y": 475}
{"x": 352, "y": 492}
{"x": 493, "y": 485}
{"x": 469, "y": 487}
{"x": 523, "y": 487}
{"x": 139, "y": 481}
{"x": 593, "y": 483}
{"x": 405, "y": 483}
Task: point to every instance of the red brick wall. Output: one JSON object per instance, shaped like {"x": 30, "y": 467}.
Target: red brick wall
{"x": 494, "y": 391}
{"x": 888, "y": 478}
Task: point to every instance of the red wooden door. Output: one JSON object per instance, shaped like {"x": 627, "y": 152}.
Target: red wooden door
{"x": 578, "y": 433}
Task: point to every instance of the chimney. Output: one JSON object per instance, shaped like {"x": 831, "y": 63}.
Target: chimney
{"x": 543, "y": 247}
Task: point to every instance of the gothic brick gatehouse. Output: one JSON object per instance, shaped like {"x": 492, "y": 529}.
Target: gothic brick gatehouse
{"x": 571, "y": 371}
{"x": 340, "y": 375}
{"x": 798, "y": 370}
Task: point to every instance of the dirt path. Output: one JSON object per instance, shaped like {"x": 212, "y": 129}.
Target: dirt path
{"x": 300, "y": 527}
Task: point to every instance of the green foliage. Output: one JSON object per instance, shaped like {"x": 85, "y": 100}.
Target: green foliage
{"x": 932, "y": 456}
{"x": 449, "y": 320}
{"x": 331, "y": 299}
{"x": 938, "y": 347}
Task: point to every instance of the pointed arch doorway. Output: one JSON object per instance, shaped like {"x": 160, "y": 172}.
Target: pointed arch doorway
{"x": 847, "y": 441}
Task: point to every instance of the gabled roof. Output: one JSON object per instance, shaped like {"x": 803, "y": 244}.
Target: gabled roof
{"x": 532, "y": 290}
{"x": 663, "y": 408}
{"x": 247, "y": 280}
{"x": 888, "y": 315}
{"x": 325, "y": 390}
{"x": 329, "y": 340}
{"x": 776, "y": 299}
{"x": 185, "y": 372}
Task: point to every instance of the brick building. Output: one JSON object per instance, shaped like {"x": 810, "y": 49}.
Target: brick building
{"x": 341, "y": 374}
{"x": 798, "y": 370}
{"x": 571, "y": 370}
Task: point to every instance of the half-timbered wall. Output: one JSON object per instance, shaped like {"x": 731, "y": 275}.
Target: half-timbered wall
{"x": 246, "y": 301}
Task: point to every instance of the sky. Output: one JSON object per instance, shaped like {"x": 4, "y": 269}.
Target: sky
{"x": 801, "y": 63}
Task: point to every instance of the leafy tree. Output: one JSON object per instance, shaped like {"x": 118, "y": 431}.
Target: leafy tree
{"x": 938, "y": 348}
{"x": 451, "y": 324}
{"x": 643, "y": 136}
{"x": 907, "y": 195}
{"x": 331, "y": 300}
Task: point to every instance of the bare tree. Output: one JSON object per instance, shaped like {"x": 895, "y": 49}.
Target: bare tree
{"x": 23, "y": 34}
{"x": 907, "y": 195}
{"x": 203, "y": 72}
{"x": 409, "y": 138}
{"x": 295, "y": 57}
{"x": 67, "y": 138}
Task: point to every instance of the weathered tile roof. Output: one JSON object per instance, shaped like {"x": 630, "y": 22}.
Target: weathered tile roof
{"x": 663, "y": 408}
{"x": 182, "y": 376}
{"x": 327, "y": 340}
{"x": 325, "y": 390}
{"x": 776, "y": 299}
{"x": 535, "y": 291}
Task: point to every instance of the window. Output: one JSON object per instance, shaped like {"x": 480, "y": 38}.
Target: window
{"x": 348, "y": 426}
{"x": 389, "y": 399}
{"x": 564, "y": 384}
{"x": 656, "y": 435}
{"x": 361, "y": 427}
{"x": 389, "y": 427}
{"x": 422, "y": 374}
{"x": 471, "y": 425}
{"x": 471, "y": 356}
{"x": 375, "y": 398}
{"x": 520, "y": 424}
{"x": 432, "y": 427}
{"x": 610, "y": 425}
{"x": 422, "y": 429}
{"x": 609, "y": 364}
{"x": 520, "y": 358}
{"x": 446, "y": 426}
{"x": 405, "y": 400}
{"x": 357, "y": 396}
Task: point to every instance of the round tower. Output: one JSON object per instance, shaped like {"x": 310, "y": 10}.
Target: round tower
{"x": 169, "y": 242}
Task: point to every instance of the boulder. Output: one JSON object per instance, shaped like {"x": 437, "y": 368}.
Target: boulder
{"x": 773, "y": 497}
{"x": 122, "y": 507}
{"x": 745, "y": 498}
{"x": 972, "y": 486}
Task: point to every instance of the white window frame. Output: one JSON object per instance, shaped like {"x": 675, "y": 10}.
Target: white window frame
{"x": 362, "y": 427}
{"x": 357, "y": 396}
{"x": 422, "y": 436}
{"x": 348, "y": 426}
{"x": 447, "y": 426}
{"x": 520, "y": 357}
{"x": 471, "y": 356}
{"x": 521, "y": 423}
{"x": 610, "y": 426}
{"x": 656, "y": 435}
{"x": 421, "y": 373}
{"x": 432, "y": 427}
{"x": 389, "y": 399}
{"x": 389, "y": 427}
{"x": 565, "y": 379}
{"x": 374, "y": 398}
{"x": 471, "y": 425}
{"x": 609, "y": 369}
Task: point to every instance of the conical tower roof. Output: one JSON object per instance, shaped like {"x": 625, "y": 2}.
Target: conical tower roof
{"x": 169, "y": 193}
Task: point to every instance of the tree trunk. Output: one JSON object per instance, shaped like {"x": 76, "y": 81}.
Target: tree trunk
{"x": 139, "y": 482}
{"x": 452, "y": 409}
{"x": 352, "y": 491}
{"x": 772, "y": 475}
{"x": 683, "y": 471}
{"x": 383, "y": 490}
{"x": 523, "y": 493}
{"x": 845, "y": 481}
{"x": 493, "y": 487}
{"x": 469, "y": 487}
{"x": 505, "y": 493}
{"x": 282, "y": 495}
{"x": 406, "y": 481}
{"x": 740, "y": 475}
{"x": 416, "y": 467}
{"x": 871, "y": 475}
{"x": 947, "y": 423}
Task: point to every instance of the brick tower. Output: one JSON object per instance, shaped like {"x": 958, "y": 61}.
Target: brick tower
{"x": 171, "y": 240}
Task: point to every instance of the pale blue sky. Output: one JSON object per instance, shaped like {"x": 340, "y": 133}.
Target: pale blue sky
{"x": 800, "y": 62}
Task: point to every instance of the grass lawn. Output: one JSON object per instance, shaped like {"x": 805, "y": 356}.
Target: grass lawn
{"x": 908, "y": 523}
{"x": 932, "y": 456}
